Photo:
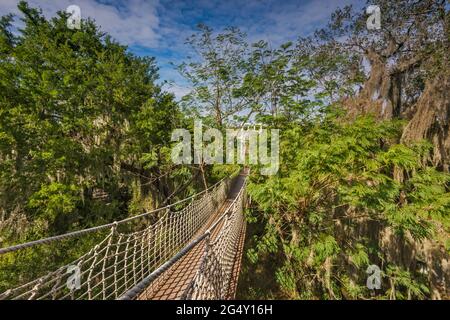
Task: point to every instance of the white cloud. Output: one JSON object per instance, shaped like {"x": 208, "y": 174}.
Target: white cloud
{"x": 178, "y": 90}
{"x": 135, "y": 22}
{"x": 164, "y": 25}
{"x": 288, "y": 22}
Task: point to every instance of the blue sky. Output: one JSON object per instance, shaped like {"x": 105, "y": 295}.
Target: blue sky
{"x": 159, "y": 27}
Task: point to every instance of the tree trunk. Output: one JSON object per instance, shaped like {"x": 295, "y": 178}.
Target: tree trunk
{"x": 381, "y": 92}
{"x": 432, "y": 120}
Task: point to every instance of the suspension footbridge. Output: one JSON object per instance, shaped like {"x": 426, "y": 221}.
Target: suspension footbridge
{"x": 191, "y": 253}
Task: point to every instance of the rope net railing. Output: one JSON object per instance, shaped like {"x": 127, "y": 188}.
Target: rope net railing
{"x": 218, "y": 249}
{"x": 213, "y": 279}
{"x": 121, "y": 260}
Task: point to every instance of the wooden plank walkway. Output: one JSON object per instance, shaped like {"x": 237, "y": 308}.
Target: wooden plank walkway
{"x": 171, "y": 284}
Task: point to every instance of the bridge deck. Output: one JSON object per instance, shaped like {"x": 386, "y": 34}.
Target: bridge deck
{"x": 171, "y": 284}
